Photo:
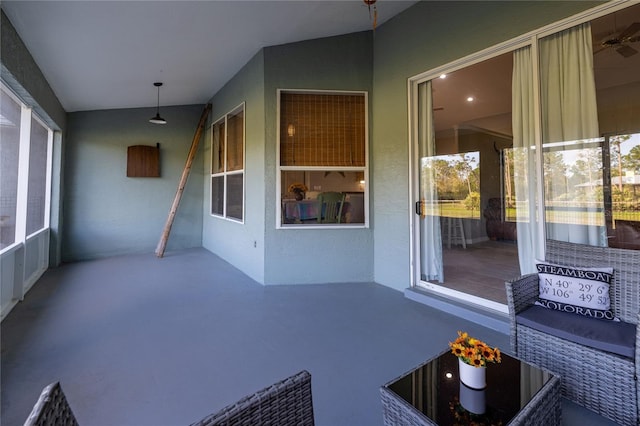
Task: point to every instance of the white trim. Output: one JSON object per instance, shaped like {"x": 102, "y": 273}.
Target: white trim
{"x": 311, "y": 91}
{"x": 23, "y": 174}
{"x": 537, "y": 112}
{"x": 367, "y": 184}
{"x": 321, "y": 168}
{"x": 414, "y": 196}
{"x": 296, "y": 226}
{"x": 49, "y": 179}
{"x": 277, "y": 194}
{"x": 46, "y": 220}
{"x": 280, "y": 169}
{"x": 9, "y": 92}
{"x": 458, "y": 295}
{"x": 225, "y": 173}
{"x": 41, "y": 240}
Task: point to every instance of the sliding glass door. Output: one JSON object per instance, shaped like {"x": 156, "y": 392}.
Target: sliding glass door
{"x": 467, "y": 231}
{"x": 539, "y": 140}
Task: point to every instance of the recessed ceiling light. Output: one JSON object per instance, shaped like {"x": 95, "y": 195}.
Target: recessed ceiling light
{"x": 443, "y": 76}
{"x": 470, "y": 99}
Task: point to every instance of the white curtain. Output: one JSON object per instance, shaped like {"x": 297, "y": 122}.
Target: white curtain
{"x": 570, "y": 115}
{"x": 524, "y": 159}
{"x": 430, "y": 233}
{"x": 568, "y": 95}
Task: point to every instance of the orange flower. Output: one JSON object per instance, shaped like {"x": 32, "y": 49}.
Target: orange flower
{"x": 473, "y": 351}
{"x": 477, "y": 361}
{"x": 488, "y": 353}
{"x": 457, "y": 349}
{"x": 470, "y": 353}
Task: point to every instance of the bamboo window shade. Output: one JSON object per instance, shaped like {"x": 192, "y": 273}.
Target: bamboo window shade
{"x": 322, "y": 129}
{"x": 217, "y": 152}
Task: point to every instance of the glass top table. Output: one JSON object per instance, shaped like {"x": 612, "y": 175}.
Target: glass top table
{"x": 432, "y": 394}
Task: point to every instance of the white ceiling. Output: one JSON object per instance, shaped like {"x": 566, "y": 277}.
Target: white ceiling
{"x": 107, "y": 54}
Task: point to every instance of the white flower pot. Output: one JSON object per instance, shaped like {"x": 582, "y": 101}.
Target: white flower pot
{"x": 473, "y": 377}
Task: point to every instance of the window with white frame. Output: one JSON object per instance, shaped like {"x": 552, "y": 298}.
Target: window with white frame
{"x": 227, "y": 165}
{"x": 25, "y": 157}
{"x": 323, "y": 158}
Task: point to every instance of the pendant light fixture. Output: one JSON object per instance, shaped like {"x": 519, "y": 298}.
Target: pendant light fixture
{"x": 157, "y": 119}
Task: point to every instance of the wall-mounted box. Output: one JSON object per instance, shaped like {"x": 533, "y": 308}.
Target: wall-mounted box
{"x": 143, "y": 161}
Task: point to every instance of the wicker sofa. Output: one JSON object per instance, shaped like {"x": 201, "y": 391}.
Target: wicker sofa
{"x": 285, "y": 403}
{"x": 598, "y": 379}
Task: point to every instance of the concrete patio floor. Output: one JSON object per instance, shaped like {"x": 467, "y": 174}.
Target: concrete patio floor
{"x": 137, "y": 340}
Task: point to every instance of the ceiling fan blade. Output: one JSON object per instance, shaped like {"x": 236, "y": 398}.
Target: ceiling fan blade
{"x": 595, "y": 52}
{"x": 626, "y": 51}
{"x": 629, "y": 31}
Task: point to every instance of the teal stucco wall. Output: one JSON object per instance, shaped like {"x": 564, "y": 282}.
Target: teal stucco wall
{"x": 288, "y": 256}
{"x": 428, "y": 35}
{"x": 241, "y": 244}
{"x": 304, "y": 256}
{"x": 107, "y": 213}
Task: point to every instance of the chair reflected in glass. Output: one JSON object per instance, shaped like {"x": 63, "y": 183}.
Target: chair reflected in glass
{"x": 330, "y": 207}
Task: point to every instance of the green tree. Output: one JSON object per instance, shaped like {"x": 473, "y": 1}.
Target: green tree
{"x": 615, "y": 143}
{"x": 472, "y": 202}
{"x": 631, "y": 161}
{"x": 555, "y": 175}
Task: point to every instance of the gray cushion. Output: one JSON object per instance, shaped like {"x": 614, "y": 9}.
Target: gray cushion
{"x": 611, "y": 336}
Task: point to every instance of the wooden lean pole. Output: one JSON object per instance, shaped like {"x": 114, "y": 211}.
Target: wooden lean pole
{"x": 162, "y": 244}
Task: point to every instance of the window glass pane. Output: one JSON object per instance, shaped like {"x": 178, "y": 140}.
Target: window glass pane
{"x": 227, "y": 165}
{"x": 37, "y": 178}
{"x": 235, "y": 140}
{"x": 617, "y": 80}
{"x": 624, "y": 229}
{"x": 234, "y": 195}
{"x": 322, "y": 129}
{"x": 217, "y": 195}
{"x": 217, "y": 151}
{"x": 301, "y": 191}
{"x": 591, "y": 110}
{"x": 9, "y": 152}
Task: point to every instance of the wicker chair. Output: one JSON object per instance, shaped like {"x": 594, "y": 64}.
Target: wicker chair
{"x": 600, "y": 381}
{"x": 287, "y": 402}
{"x": 51, "y": 409}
